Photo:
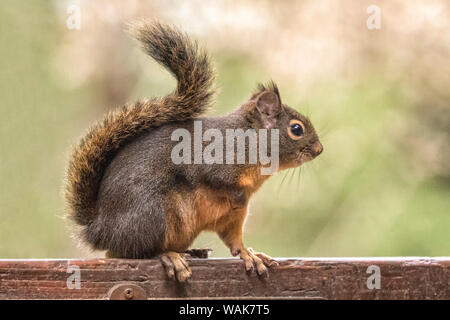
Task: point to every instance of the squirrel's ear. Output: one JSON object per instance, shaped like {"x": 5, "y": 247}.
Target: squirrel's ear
{"x": 269, "y": 106}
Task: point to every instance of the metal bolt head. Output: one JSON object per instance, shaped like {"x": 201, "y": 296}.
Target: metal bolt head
{"x": 127, "y": 291}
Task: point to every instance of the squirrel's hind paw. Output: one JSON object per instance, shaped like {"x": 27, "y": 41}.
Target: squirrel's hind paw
{"x": 176, "y": 266}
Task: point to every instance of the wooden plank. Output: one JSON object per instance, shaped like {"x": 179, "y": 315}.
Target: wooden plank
{"x": 312, "y": 278}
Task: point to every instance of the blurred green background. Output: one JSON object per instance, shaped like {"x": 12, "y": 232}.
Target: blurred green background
{"x": 380, "y": 100}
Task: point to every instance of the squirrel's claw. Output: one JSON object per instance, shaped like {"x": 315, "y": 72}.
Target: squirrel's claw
{"x": 255, "y": 259}
{"x": 267, "y": 260}
{"x": 176, "y": 266}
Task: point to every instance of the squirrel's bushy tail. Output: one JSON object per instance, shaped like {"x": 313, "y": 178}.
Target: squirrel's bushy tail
{"x": 190, "y": 65}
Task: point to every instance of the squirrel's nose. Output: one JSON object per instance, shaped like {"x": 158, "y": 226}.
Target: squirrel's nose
{"x": 317, "y": 148}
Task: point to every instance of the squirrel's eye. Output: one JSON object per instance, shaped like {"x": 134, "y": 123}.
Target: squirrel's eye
{"x": 296, "y": 129}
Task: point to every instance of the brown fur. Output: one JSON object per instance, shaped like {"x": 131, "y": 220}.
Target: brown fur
{"x": 192, "y": 97}
{"x": 192, "y": 212}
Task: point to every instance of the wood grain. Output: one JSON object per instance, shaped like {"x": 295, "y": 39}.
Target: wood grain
{"x": 324, "y": 278}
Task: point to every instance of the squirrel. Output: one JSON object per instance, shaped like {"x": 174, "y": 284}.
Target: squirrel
{"x": 132, "y": 201}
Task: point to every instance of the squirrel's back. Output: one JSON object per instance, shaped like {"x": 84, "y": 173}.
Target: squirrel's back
{"x": 191, "y": 67}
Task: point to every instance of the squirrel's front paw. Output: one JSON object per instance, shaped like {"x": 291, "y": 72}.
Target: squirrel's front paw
{"x": 176, "y": 266}
{"x": 255, "y": 259}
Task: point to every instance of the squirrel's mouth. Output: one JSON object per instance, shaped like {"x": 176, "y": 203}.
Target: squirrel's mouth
{"x": 304, "y": 157}
{"x": 309, "y": 153}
